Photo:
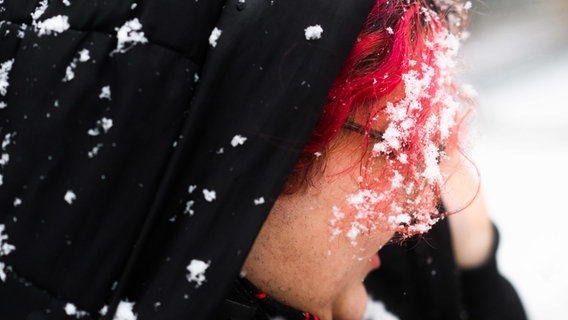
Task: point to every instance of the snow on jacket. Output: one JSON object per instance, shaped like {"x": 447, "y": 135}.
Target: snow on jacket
{"x": 144, "y": 142}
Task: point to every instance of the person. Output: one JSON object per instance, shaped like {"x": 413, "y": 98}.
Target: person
{"x": 451, "y": 272}
{"x": 146, "y": 144}
{"x": 143, "y": 144}
{"x": 372, "y": 169}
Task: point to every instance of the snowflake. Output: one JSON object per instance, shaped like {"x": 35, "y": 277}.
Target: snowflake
{"x": 197, "y": 270}
{"x": 313, "y": 32}
{"x": 215, "y": 34}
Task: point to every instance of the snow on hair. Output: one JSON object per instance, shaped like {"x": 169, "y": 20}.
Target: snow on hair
{"x": 405, "y": 47}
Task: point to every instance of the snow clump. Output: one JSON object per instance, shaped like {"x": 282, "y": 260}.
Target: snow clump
{"x": 71, "y": 310}
{"x": 209, "y": 195}
{"x": 5, "y": 68}
{"x": 215, "y": 34}
{"x": 124, "y": 311}
{"x": 128, "y": 35}
{"x": 70, "y": 196}
{"x": 55, "y": 25}
{"x": 5, "y": 249}
{"x": 238, "y": 140}
{"x": 313, "y": 32}
{"x": 105, "y": 93}
{"x": 197, "y": 270}
{"x": 70, "y": 71}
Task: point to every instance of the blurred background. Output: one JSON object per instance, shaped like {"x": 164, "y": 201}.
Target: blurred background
{"x": 517, "y": 60}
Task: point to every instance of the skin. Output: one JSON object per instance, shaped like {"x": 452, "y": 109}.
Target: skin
{"x": 293, "y": 258}
{"x": 471, "y": 228}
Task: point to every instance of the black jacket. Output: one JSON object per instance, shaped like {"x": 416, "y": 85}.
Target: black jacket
{"x": 115, "y": 148}
{"x": 419, "y": 279}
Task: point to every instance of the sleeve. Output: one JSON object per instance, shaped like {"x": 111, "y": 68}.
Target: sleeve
{"x": 488, "y": 294}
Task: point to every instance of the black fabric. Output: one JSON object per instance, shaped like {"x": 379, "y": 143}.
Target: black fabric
{"x": 140, "y": 215}
{"x": 419, "y": 279}
{"x": 246, "y": 302}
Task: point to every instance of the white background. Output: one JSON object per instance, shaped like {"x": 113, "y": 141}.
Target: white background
{"x": 517, "y": 60}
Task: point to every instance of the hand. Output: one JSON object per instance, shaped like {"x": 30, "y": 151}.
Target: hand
{"x": 471, "y": 227}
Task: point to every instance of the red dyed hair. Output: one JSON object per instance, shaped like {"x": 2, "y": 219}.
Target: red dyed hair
{"x": 401, "y": 38}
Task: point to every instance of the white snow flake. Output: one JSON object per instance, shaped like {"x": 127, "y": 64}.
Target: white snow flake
{"x": 105, "y": 93}
{"x": 70, "y": 71}
{"x": 55, "y": 25}
{"x": 103, "y": 310}
{"x": 128, "y": 35}
{"x": 124, "y": 311}
{"x": 4, "y": 158}
{"x": 188, "y": 207}
{"x": 214, "y": 36}
{"x": 105, "y": 124}
{"x": 313, "y": 32}
{"x": 71, "y": 310}
{"x": 40, "y": 10}
{"x": 17, "y": 202}
{"x": 258, "y": 201}
{"x": 5, "y": 68}
{"x": 95, "y": 150}
{"x": 5, "y": 249}
{"x": 84, "y": 55}
{"x": 238, "y": 140}
{"x": 209, "y": 195}
{"x": 66, "y": 2}
{"x": 70, "y": 196}
{"x": 197, "y": 270}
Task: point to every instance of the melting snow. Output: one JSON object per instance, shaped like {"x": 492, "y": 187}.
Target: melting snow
{"x": 215, "y": 34}
{"x": 313, "y": 32}
{"x": 196, "y": 273}
{"x": 124, "y": 311}
{"x": 69, "y": 197}
{"x": 128, "y": 35}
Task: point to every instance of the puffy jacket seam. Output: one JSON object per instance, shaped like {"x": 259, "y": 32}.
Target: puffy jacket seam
{"x": 25, "y": 281}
